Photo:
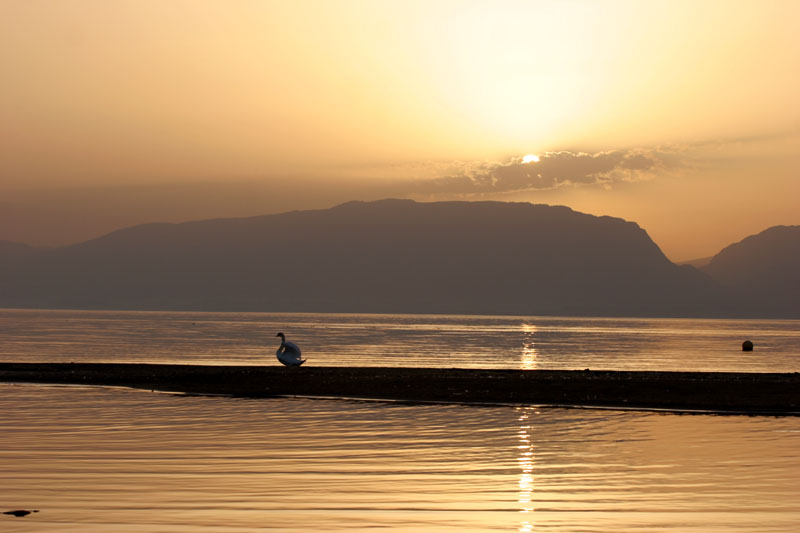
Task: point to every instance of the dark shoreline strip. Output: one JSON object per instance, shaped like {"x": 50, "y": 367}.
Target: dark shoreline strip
{"x": 743, "y": 393}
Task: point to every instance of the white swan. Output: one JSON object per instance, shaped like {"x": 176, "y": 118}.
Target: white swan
{"x": 289, "y": 352}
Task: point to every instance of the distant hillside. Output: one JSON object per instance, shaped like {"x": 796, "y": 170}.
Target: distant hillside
{"x": 385, "y": 256}
{"x": 13, "y": 248}
{"x": 697, "y": 263}
{"x": 763, "y": 270}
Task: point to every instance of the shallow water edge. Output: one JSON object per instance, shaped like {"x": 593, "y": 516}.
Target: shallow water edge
{"x": 746, "y": 393}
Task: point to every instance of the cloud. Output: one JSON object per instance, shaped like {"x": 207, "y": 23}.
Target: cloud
{"x": 560, "y": 170}
{"x": 553, "y": 170}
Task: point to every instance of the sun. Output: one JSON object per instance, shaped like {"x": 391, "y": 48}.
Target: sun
{"x": 530, "y": 158}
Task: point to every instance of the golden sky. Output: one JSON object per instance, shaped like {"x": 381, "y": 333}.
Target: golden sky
{"x": 681, "y": 116}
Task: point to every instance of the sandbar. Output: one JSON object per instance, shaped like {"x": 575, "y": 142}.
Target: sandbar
{"x": 724, "y": 392}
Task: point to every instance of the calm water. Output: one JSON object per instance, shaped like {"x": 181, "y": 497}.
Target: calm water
{"x": 103, "y": 460}
{"x": 401, "y": 340}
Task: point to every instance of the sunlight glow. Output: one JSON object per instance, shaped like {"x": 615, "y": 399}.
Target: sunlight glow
{"x": 530, "y": 158}
{"x": 529, "y": 353}
{"x": 525, "y": 461}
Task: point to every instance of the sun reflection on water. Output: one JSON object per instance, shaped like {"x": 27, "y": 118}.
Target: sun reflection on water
{"x": 525, "y": 461}
{"x": 529, "y": 353}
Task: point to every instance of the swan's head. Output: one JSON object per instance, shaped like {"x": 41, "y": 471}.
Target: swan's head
{"x": 281, "y": 335}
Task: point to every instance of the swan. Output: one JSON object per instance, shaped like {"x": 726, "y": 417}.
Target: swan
{"x": 289, "y": 352}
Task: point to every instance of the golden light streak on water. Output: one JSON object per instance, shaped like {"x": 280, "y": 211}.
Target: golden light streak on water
{"x": 525, "y": 462}
{"x": 529, "y": 352}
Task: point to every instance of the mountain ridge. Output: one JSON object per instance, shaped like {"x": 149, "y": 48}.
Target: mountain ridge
{"x": 763, "y": 268}
{"x": 383, "y": 256}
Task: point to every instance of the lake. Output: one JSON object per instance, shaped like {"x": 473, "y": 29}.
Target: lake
{"x": 98, "y": 459}
{"x": 401, "y": 340}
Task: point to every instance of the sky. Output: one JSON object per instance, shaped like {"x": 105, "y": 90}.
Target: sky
{"x": 682, "y": 116}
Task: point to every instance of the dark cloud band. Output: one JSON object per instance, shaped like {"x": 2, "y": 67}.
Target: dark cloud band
{"x": 553, "y": 170}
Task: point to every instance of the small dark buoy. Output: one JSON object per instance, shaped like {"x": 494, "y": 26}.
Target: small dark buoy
{"x": 747, "y": 346}
{"x": 21, "y": 512}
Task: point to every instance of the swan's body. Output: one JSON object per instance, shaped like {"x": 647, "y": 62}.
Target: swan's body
{"x": 288, "y": 352}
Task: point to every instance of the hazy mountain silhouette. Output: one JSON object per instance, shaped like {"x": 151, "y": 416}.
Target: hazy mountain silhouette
{"x": 403, "y": 256}
{"x": 8, "y": 249}
{"x": 763, "y": 271}
{"x": 384, "y": 256}
{"x": 697, "y": 263}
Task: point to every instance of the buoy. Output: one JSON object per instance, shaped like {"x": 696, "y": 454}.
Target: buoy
{"x": 747, "y": 346}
